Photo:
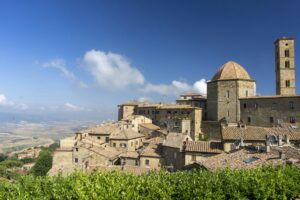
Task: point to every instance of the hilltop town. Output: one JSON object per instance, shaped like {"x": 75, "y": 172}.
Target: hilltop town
{"x": 230, "y": 127}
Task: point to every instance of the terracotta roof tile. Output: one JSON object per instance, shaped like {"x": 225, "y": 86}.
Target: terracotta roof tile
{"x": 204, "y": 146}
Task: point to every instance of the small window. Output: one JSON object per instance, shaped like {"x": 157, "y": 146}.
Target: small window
{"x": 286, "y": 44}
{"x": 136, "y": 142}
{"x": 188, "y": 112}
{"x": 287, "y": 53}
{"x": 255, "y": 105}
{"x": 246, "y": 93}
{"x": 107, "y": 139}
{"x": 194, "y": 158}
{"x": 291, "y": 104}
{"x": 292, "y": 120}
{"x": 287, "y": 83}
{"x": 227, "y": 94}
{"x": 249, "y": 119}
{"x": 132, "y": 144}
{"x": 287, "y": 64}
{"x": 274, "y": 106}
{"x": 245, "y": 105}
{"x": 114, "y": 145}
{"x": 76, "y": 160}
{"x": 77, "y": 149}
{"x": 147, "y": 162}
{"x": 175, "y": 155}
{"x": 98, "y": 137}
{"x": 271, "y": 120}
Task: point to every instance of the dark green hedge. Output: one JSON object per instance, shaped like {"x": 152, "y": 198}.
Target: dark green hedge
{"x": 262, "y": 183}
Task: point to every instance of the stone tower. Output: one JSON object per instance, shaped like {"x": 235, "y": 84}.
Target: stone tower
{"x": 285, "y": 66}
{"x": 230, "y": 83}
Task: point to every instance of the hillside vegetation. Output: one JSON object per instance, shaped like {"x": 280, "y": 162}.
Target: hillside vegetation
{"x": 261, "y": 183}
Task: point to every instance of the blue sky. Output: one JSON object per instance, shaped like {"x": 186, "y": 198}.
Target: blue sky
{"x": 82, "y": 58}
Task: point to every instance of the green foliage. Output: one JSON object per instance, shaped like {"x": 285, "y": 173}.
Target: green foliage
{"x": 27, "y": 160}
{"x": 2, "y": 157}
{"x": 262, "y": 183}
{"x": 43, "y": 163}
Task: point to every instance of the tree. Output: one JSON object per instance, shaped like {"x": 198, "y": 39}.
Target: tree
{"x": 43, "y": 164}
{"x": 2, "y": 157}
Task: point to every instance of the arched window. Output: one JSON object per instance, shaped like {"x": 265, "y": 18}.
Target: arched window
{"x": 287, "y": 83}
{"x": 287, "y": 64}
{"x": 287, "y": 53}
{"x": 227, "y": 93}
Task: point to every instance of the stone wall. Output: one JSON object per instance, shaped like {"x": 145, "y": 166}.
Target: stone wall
{"x": 223, "y": 98}
{"x": 258, "y": 111}
{"x": 211, "y": 130}
{"x": 284, "y": 73}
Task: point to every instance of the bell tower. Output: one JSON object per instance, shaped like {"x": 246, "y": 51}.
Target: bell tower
{"x": 285, "y": 66}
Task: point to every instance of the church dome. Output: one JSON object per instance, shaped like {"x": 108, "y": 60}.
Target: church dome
{"x": 231, "y": 70}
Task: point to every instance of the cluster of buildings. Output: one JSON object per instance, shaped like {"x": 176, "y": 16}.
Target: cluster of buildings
{"x": 230, "y": 127}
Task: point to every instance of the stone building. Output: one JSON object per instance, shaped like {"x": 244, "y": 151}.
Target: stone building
{"x": 151, "y": 156}
{"x": 198, "y": 151}
{"x": 270, "y": 111}
{"x": 285, "y": 66}
{"x": 195, "y": 100}
{"x": 230, "y": 83}
{"x": 173, "y": 117}
{"x": 126, "y": 139}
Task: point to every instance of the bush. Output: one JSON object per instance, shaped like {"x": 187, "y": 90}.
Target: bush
{"x": 43, "y": 164}
{"x": 262, "y": 183}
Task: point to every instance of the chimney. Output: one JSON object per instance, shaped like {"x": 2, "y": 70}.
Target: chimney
{"x": 287, "y": 139}
{"x": 279, "y": 140}
{"x": 268, "y": 146}
{"x": 242, "y": 142}
{"x": 281, "y": 155}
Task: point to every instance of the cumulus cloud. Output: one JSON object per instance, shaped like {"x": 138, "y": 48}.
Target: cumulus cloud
{"x": 176, "y": 88}
{"x": 112, "y": 70}
{"x": 60, "y": 65}
{"x": 4, "y": 102}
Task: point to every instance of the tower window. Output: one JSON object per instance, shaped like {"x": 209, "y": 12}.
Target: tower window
{"x": 287, "y": 64}
{"x": 292, "y": 120}
{"x": 287, "y": 53}
{"x": 291, "y": 104}
{"x": 227, "y": 94}
{"x": 287, "y": 83}
{"x": 249, "y": 119}
{"x": 286, "y": 44}
{"x": 245, "y": 105}
{"x": 271, "y": 120}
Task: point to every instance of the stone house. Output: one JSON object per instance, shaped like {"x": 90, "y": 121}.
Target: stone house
{"x": 235, "y": 137}
{"x": 172, "y": 148}
{"x": 198, "y": 151}
{"x": 133, "y": 121}
{"x": 126, "y": 139}
{"x": 151, "y": 155}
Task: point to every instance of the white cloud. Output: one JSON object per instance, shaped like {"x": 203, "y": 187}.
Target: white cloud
{"x": 200, "y": 86}
{"x": 112, "y": 70}
{"x": 176, "y": 88}
{"x": 60, "y": 64}
{"x": 72, "y": 107}
{"x": 144, "y": 99}
{"x": 7, "y": 103}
